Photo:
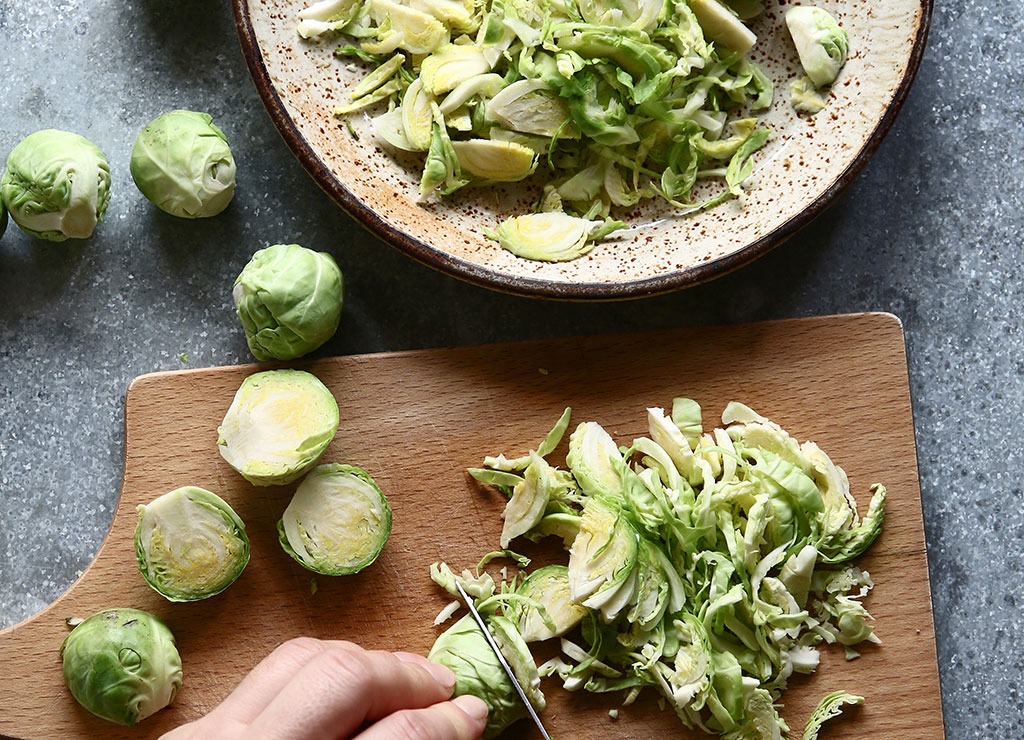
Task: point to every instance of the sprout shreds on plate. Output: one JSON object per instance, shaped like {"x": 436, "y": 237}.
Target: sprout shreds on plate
{"x": 708, "y": 565}
{"x": 337, "y": 522}
{"x": 614, "y": 102}
{"x": 278, "y": 425}
{"x": 190, "y": 544}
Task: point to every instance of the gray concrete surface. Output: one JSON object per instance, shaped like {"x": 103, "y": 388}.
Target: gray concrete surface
{"x": 931, "y": 231}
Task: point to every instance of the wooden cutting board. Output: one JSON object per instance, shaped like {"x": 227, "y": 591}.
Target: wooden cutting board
{"x": 416, "y": 420}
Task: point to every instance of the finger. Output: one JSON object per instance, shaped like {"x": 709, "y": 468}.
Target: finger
{"x": 340, "y": 690}
{"x": 270, "y": 676}
{"x": 462, "y": 718}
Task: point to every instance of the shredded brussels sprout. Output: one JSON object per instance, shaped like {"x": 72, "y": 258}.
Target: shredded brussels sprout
{"x": 612, "y": 102}
{"x": 705, "y": 565}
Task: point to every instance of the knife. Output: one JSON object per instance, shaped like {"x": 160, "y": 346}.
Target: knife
{"x": 501, "y": 659}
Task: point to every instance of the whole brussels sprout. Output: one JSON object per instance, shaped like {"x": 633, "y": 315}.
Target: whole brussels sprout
{"x": 278, "y": 425}
{"x": 288, "y": 299}
{"x": 182, "y": 163}
{"x": 190, "y": 544}
{"x": 3, "y": 217}
{"x": 56, "y": 185}
{"x": 122, "y": 665}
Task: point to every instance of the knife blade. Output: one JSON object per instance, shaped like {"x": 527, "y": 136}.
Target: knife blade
{"x": 501, "y": 659}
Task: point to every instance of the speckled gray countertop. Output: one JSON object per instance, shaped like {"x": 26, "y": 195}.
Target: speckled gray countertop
{"x": 931, "y": 231}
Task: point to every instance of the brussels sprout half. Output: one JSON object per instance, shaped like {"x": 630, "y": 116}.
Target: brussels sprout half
{"x": 337, "y": 522}
{"x": 464, "y": 649}
{"x": 56, "y": 185}
{"x": 277, "y": 426}
{"x": 182, "y": 163}
{"x": 289, "y": 300}
{"x": 190, "y": 544}
{"x": 122, "y": 665}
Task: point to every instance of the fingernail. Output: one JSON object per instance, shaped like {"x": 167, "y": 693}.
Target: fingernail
{"x": 472, "y": 706}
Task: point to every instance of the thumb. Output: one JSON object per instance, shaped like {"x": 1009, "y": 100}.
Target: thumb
{"x": 461, "y": 718}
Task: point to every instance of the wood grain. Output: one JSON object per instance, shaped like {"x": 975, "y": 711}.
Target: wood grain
{"x": 416, "y": 420}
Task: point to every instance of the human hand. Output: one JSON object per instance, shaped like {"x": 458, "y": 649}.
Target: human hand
{"x": 311, "y": 689}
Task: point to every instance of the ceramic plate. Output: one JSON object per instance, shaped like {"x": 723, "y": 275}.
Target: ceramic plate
{"x": 806, "y": 163}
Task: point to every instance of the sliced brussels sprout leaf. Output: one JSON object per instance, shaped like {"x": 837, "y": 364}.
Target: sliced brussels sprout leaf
{"x": 450, "y": 66}
{"x": 278, "y": 425}
{"x": 288, "y": 299}
{"x": 529, "y": 500}
{"x": 550, "y": 610}
{"x": 458, "y": 15}
{"x": 190, "y": 544}
{"x": 602, "y": 557}
{"x": 464, "y": 649}
{"x": 590, "y": 456}
{"x": 183, "y": 165}
{"x": 821, "y": 43}
{"x": 830, "y": 706}
{"x": 417, "y": 117}
{"x": 56, "y": 185}
{"x": 122, "y": 665}
{"x": 495, "y": 161}
{"x": 552, "y": 236}
{"x": 404, "y": 27}
{"x": 805, "y": 96}
{"x": 722, "y": 26}
{"x": 337, "y": 522}
{"x": 531, "y": 107}
{"x": 642, "y": 15}
{"x": 326, "y": 16}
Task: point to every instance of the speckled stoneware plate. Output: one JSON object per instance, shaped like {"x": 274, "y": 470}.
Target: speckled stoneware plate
{"x": 806, "y": 163}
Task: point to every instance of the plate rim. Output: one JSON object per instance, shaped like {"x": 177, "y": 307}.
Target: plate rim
{"x": 475, "y": 274}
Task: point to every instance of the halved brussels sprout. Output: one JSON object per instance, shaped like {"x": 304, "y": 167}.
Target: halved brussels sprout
{"x": 190, "y": 544}
{"x": 277, "y": 426}
{"x": 337, "y": 522}
{"x": 122, "y": 665}
{"x": 183, "y": 165}
{"x": 289, "y": 301}
{"x": 465, "y": 650}
{"x": 56, "y": 185}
